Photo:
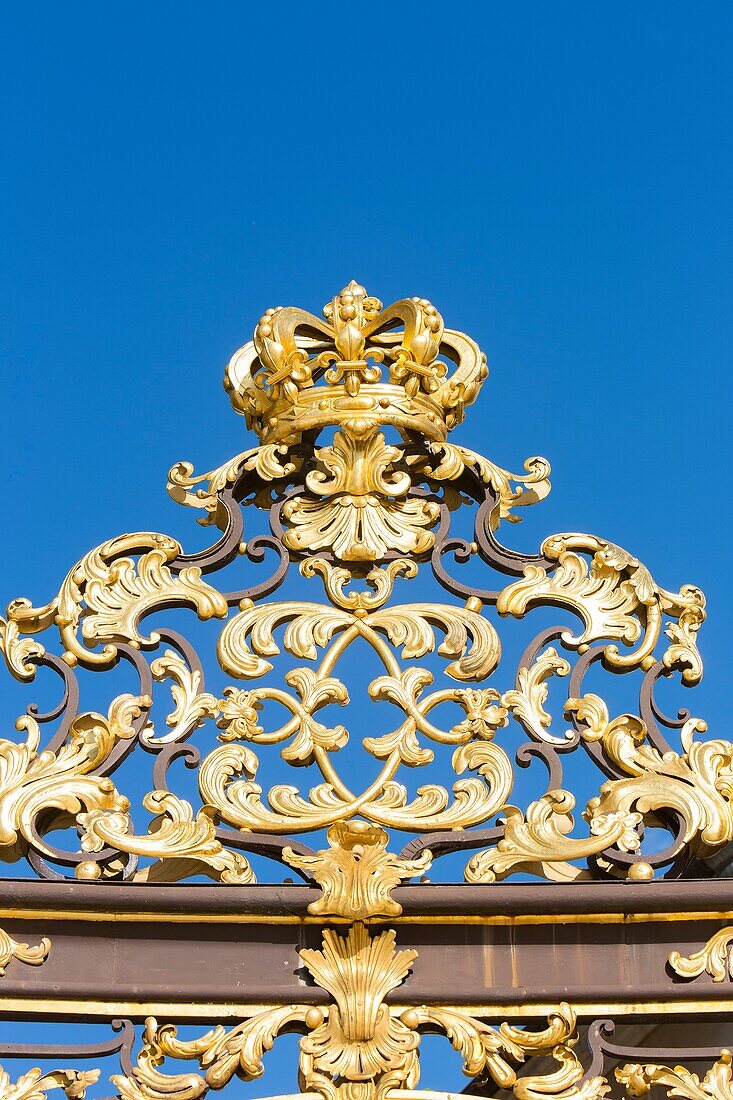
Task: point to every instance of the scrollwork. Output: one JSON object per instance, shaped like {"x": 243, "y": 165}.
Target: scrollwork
{"x": 717, "y": 1084}
{"x": 616, "y": 598}
{"x": 107, "y": 594}
{"x": 15, "y": 949}
{"x": 714, "y": 958}
{"x": 34, "y": 1084}
{"x": 358, "y": 1040}
{"x": 358, "y": 510}
{"x": 356, "y": 873}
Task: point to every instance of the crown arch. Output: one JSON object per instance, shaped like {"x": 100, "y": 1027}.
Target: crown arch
{"x": 360, "y": 488}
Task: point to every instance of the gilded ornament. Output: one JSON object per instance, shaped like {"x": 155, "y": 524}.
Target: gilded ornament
{"x": 717, "y": 1084}
{"x": 616, "y": 598}
{"x": 353, "y": 463}
{"x": 380, "y": 579}
{"x": 192, "y": 706}
{"x": 33, "y": 782}
{"x": 714, "y": 958}
{"x": 274, "y": 381}
{"x": 356, "y": 873}
{"x": 359, "y": 507}
{"x": 265, "y": 461}
{"x": 34, "y": 1084}
{"x": 526, "y": 701}
{"x": 361, "y": 1039}
{"x": 358, "y": 1045}
{"x": 187, "y": 842}
{"x": 537, "y": 841}
{"x": 107, "y": 594}
{"x": 13, "y": 949}
{"x": 512, "y": 490}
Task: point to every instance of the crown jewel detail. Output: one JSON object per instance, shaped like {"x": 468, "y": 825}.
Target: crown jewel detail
{"x": 380, "y": 366}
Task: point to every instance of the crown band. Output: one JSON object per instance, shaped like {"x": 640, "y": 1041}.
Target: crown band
{"x": 361, "y": 363}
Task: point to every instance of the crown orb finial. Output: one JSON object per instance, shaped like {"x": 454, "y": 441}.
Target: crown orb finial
{"x": 382, "y": 366}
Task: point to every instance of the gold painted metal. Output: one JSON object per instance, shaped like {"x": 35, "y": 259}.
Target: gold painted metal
{"x": 34, "y": 1084}
{"x": 358, "y": 1046}
{"x": 360, "y": 509}
{"x": 352, "y": 412}
{"x": 617, "y": 598}
{"x": 714, "y": 958}
{"x": 359, "y": 516}
{"x": 717, "y": 1084}
{"x": 355, "y": 873}
{"x": 488, "y": 1055}
{"x": 81, "y": 1009}
{"x": 12, "y": 949}
{"x": 228, "y": 916}
{"x": 274, "y": 380}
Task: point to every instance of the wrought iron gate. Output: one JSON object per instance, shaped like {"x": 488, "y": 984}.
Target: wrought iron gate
{"x": 379, "y": 559}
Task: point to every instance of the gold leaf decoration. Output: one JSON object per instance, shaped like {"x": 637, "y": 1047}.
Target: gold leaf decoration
{"x": 31, "y": 783}
{"x": 265, "y": 461}
{"x": 526, "y": 701}
{"x": 192, "y": 706}
{"x": 34, "y": 1084}
{"x": 528, "y": 488}
{"x": 717, "y": 1084}
{"x": 361, "y": 1038}
{"x": 18, "y": 651}
{"x": 538, "y": 842}
{"x": 353, "y": 465}
{"x": 714, "y": 958}
{"x": 356, "y": 873}
{"x": 615, "y": 597}
{"x": 108, "y": 594}
{"x": 13, "y": 949}
{"x": 175, "y": 834}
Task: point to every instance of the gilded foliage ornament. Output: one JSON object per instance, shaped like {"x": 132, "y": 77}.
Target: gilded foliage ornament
{"x": 34, "y": 1084}
{"x": 15, "y": 949}
{"x": 714, "y": 958}
{"x": 356, "y": 873}
{"x": 358, "y": 1045}
{"x": 359, "y": 482}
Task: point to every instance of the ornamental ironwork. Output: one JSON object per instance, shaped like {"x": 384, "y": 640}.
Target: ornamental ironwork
{"x": 367, "y": 531}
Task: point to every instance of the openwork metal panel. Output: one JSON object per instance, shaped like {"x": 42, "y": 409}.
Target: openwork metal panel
{"x": 354, "y": 540}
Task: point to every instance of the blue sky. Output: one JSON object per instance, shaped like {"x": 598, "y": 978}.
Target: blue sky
{"x": 557, "y": 178}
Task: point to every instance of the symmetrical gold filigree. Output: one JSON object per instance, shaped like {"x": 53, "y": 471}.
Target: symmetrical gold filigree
{"x": 359, "y": 507}
{"x": 361, "y": 1039}
{"x": 358, "y": 1045}
{"x": 14, "y": 949}
{"x": 273, "y": 380}
{"x": 354, "y": 465}
{"x": 356, "y": 873}
{"x": 354, "y": 468}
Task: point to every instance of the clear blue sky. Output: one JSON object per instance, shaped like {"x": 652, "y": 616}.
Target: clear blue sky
{"x": 557, "y": 178}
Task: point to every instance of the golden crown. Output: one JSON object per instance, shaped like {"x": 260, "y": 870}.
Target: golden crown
{"x": 362, "y": 362}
